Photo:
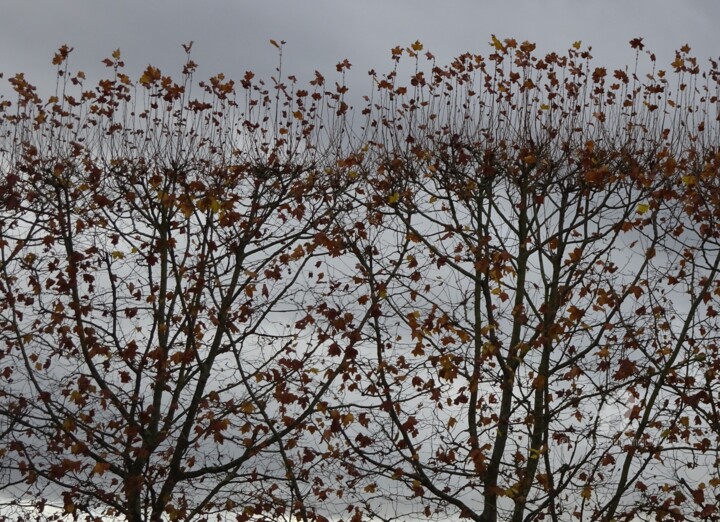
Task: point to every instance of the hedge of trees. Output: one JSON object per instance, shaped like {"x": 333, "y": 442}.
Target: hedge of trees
{"x": 488, "y": 291}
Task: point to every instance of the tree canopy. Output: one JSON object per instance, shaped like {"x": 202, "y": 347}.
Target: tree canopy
{"x": 487, "y": 290}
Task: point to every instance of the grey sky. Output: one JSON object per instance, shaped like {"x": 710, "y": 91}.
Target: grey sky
{"x": 232, "y": 36}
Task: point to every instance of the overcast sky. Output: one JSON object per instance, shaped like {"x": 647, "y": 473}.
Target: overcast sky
{"x": 232, "y": 36}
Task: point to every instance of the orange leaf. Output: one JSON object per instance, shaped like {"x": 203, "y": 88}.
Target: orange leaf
{"x": 100, "y": 468}
{"x": 576, "y": 255}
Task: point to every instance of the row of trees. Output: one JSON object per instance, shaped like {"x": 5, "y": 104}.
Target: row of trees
{"x": 489, "y": 293}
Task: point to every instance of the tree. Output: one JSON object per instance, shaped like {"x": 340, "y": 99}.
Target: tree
{"x": 542, "y": 250}
{"x": 154, "y": 245}
{"x": 494, "y": 299}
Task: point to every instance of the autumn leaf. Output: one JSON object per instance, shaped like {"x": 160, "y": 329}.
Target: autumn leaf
{"x": 61, "y": 55}
{"x": 642, "y": 208}
{"x": 512, "y": 491}
{"x": 576, "y": 255}
{"x": 626, "y": 368}
{"x": 150, "y": 76}
{"x": 100, "y": 468}
{"x": 689, "y": 180}
{"x": 636, "y": 43}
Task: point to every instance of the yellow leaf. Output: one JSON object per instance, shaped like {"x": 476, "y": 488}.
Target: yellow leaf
{"x": 117, "y": 255}
{"x": 545, "y": 107}
{"x": 497, "y": 43}
{"x": 116, "y": 54}
{"x": 576, "y": 45}
{"x": 247, "y": 408}
{"x": 689, "y": 180}
{"x": 394, "y": 198}
{"x": 642, "y": 208}
{"x": 417, "y": 46}
{"x": 512, "y": 491}
{"x": 586, "y": 492}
